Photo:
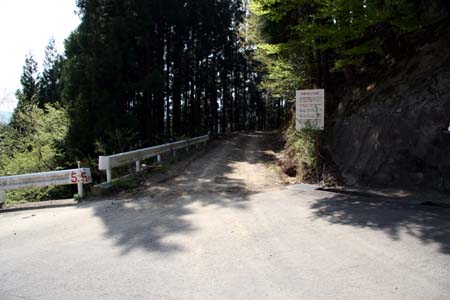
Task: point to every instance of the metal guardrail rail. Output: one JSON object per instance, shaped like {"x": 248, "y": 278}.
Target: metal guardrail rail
{"x": 82, "y": 176}
{"x": 76, "y": 176}
{"x": 107, "y": 163}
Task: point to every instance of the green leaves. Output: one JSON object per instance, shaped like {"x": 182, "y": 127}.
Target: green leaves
{"x": 334, "y": 33}
{"x": 37, "y": 147}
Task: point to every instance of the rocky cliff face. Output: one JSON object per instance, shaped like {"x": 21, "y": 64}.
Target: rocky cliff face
{"x": 391, "y": 132}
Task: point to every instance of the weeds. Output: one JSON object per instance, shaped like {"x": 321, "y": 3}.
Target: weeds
{"x": 304, "y": 148}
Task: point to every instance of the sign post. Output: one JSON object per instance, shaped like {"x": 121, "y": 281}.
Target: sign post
{"x": 79, "y": 177}
{"x": 80, "y": 182}
{"x": 310, "y": 109}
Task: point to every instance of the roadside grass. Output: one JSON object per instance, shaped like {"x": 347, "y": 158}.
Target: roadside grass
{"x": 302, "y": 153}
{"x": 128, "y": 182}
{"x": 27, "y": 195}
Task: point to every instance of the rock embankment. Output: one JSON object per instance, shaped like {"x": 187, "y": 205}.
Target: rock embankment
{"x": 392, "y": 132}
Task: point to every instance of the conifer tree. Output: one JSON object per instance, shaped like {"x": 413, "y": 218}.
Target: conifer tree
{"x": 28, "y": 94}
{"x": 161, "y": 69}
{"x": 49, "y": 84}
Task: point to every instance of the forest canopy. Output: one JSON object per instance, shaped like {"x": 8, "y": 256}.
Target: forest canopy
{"x": 160, "y": 69}
{"x": 301, "y": 43}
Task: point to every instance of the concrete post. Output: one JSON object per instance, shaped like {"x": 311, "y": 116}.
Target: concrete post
{"x": 80, "y": 181}
{"x": 138, "y": 166}
{"x": 158, "y": 158}
{"x": 80, "y": 189}
{"x": 108, "y": 176}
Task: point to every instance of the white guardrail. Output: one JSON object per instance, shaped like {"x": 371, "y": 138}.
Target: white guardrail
{"x": 66, "y": 177}
{"x": 107, "y": 163}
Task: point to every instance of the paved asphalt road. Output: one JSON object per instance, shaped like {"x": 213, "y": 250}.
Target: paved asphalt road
{"x": 215, "y": 232}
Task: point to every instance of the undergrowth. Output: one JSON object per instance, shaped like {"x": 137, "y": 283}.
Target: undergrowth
{"x": 303, "y": 147}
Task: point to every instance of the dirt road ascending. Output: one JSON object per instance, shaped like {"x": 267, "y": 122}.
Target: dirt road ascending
{"x": 215, "y": 232}
{"x": 242, "y": 163}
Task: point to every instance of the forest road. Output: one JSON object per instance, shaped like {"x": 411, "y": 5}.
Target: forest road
{"x": 226, "y": 228}
{"x": 240, "y": 163}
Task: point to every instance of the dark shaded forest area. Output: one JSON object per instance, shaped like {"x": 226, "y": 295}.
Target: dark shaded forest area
{"x": 141, "y": 72}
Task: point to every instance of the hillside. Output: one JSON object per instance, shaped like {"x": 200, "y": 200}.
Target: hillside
{"x": 390, "y": 131}
{"x": 385, "y": 67}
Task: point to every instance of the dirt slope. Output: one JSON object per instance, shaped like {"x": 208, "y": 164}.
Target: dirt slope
{"x": 241, "y": 163}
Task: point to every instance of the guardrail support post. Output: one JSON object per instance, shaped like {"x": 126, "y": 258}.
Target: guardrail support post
{"x": 2, "y": 197}
{"x": 138, "y": 166}
{"x": 80, "y": 181}
{"x": 108, "y": 176}
{"x": 158, "y": 158}
{"x": 80, "y": 189}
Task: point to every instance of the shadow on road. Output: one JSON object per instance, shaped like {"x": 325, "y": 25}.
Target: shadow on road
{"x": 224, "y": 176}
{"x": 428, "y": 224}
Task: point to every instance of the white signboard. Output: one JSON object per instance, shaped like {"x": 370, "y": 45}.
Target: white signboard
{"x": 310, "y": 109}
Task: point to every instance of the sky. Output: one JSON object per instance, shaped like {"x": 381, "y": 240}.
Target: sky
{"x": 27, "y": 26}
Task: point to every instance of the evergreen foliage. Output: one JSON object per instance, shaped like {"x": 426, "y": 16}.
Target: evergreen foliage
{"x": 27, "y": 95}
{"x": 29, "y": 78}
{"x": 160, "y": 69}
{"x": 314, "y": 38}
{"x": 135, "y": 74}
{"x": 49, "y": 84}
